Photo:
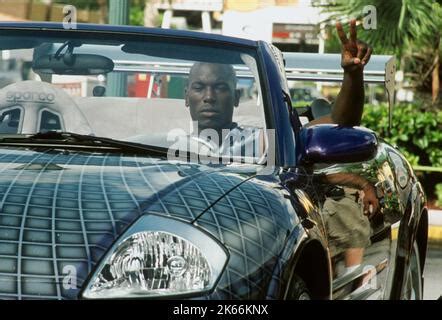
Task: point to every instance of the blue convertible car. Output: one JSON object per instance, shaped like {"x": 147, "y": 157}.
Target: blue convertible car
{"x": 114, "y": 185}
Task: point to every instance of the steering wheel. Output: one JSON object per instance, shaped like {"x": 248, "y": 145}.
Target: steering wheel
{"x": 42, "y": 105}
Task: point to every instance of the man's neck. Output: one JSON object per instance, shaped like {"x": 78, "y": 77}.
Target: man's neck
{"x": 206, "y": 134}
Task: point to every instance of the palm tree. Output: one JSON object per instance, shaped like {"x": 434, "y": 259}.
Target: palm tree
{"x": 404, "y": 27}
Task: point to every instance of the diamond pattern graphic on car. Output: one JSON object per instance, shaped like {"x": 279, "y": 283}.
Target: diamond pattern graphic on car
{"x": 251, "y": 221}
{"x": 59, "y": 212}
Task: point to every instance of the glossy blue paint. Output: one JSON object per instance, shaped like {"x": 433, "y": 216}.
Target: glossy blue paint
{"x": 285, "y": 142}
{"x": 92, "y": 204}
{"x": 81, "y": 27}
{"x": 335, "y": 144}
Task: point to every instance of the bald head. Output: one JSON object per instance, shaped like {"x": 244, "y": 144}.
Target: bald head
{"x": 225, "y": 71}
{"x": 211, "y": 95}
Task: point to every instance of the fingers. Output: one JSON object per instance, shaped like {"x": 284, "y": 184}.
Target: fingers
{"x": 376, "y": 208}
{"x": 371, "y": 208}
{"x": 368, "y": 210}
{"x": 362, "y": 51}
{"x": 367, "y": 56}
{"x": 353, "y": 36}
{"x": 355, "y": 54}
{"x": 341, "y": 33}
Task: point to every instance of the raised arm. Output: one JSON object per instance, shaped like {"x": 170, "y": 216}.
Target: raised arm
{"x": 349, "y": 104}
{"x": 355, "y": 54}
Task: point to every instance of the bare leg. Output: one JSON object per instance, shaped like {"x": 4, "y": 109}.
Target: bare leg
{"x": 353, "y": 256}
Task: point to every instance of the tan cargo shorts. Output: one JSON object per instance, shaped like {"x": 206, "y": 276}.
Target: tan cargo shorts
{"x": 346, "y": 225}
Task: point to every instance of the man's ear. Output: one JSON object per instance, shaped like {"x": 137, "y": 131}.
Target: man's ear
{"x": 186, "y": 98}
{"x": 237, "y": 96}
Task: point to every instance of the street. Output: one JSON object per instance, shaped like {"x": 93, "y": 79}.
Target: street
{"x": 433, "y": 265}
{"x": 432, "y": 273}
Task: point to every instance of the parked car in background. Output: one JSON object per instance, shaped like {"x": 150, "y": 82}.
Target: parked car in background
{"x": 100, "y": 199}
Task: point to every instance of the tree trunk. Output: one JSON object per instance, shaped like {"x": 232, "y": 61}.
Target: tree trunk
{"x": 435, "y": 82}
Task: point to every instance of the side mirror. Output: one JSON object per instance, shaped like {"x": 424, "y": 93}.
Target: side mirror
{"x": 328, "y": 143}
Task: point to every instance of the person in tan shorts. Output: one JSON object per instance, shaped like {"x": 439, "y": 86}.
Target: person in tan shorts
{"x": 346, "y": 211}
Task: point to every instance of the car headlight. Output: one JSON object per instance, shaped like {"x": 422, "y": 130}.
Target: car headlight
{"x": 157, "y": 257}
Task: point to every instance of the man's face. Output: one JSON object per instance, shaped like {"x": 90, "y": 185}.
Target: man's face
{"x": 211, "y": 95}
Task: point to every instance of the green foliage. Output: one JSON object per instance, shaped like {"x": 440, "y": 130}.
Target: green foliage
{"x": 409, "y": 29}
{"x": 136, "y": 14}
{"x": 397, "y": 20}
{"x": 301, "y": 103}
{"x": 439, "y": 194}
{"x": 417, "y": 133}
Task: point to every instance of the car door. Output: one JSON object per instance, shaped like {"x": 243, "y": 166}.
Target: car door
{"x": 353, "y": 194}
{"x": 358, "y": 238}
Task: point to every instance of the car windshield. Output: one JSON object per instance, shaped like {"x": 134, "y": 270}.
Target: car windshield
{"x": 153, "y": 91}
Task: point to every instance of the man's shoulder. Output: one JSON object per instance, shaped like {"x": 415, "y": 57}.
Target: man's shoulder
{"x": 244, "y": 130}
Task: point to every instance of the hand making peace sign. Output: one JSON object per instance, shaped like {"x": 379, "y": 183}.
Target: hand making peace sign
{"x": 355, "y": 54}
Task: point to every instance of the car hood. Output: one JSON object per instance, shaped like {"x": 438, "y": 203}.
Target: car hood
{"x": 60, "y": 211}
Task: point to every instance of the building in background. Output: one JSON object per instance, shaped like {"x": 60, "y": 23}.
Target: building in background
{"x": 188, "y": 14}
{"x": 291, "y": 25}
{"x": 44, "y": 10}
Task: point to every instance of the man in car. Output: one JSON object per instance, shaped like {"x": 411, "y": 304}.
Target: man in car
{"x": 211, "y": 96}
{"x": 211, "y": 93}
